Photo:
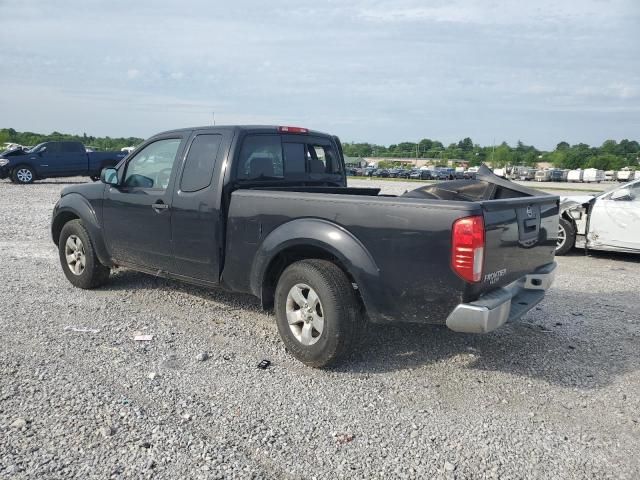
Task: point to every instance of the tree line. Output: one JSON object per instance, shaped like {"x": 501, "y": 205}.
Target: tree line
{"x": 98, "y": 143}
{"x": 611, "y": 155}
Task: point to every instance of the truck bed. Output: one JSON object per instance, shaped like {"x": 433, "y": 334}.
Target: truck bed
{"x": 407, "y": 240}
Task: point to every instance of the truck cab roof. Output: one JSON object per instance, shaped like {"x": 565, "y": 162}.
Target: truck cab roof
{"x": 249, "y": 129}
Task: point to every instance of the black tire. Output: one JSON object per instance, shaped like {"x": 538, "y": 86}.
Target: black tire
{"x": 93, "y": 273}
{"x": 94, "y": 178}
{"x": 341, "y": 312}
{"x": 569, "y": 236}
{"x": 23, "y": 174}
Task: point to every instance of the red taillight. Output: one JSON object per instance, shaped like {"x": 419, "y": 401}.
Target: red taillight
{"x": 467, "y": 248}
{"x": 293, "y": 130}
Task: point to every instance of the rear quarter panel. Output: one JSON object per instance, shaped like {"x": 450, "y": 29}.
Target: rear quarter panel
{"x": 408, "y": 239}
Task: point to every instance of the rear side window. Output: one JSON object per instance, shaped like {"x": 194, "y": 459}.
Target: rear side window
{"x": 274, "y": 157}
{"x": 74, "y": 147}
{"x": 261, "y": 157}
{"x": 322, "y": 159}
{"x": 198, "y": 168}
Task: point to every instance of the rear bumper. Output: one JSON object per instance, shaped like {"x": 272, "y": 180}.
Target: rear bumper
{"x": 508, "y": 303}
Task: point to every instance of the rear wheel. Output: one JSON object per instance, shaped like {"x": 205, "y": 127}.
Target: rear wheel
{"x": 78, "y": 258}
{"x": 23, "y": 174}
{"x": 566, "y": 236}
{"x": 317, "y": 312}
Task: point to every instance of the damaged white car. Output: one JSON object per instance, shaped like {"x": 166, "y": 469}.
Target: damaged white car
{"x": 608, "y": 221}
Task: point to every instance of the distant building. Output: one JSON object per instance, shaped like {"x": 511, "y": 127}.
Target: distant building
{"x": 355, "y": 162}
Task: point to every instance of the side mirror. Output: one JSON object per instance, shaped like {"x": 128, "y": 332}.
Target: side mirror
{"x": 622, "y": 195}
{"x": 109, "y": 176}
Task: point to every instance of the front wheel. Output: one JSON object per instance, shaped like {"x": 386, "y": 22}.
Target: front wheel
{"x": 317, "y": 312}
{"x": 566, "y": 236}
{"x": 78, "y": 258}
{"x": 23, "y": 174}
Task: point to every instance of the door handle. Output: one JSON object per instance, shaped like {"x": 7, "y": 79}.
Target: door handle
{"x": 159, "y": 206}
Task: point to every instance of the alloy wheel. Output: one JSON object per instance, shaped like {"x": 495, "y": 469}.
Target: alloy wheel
{"x": 75, "y": 255}
{"x": 24, "y": 175}
{"x": 305, "y": 314}
{"x": 562, "y": 237}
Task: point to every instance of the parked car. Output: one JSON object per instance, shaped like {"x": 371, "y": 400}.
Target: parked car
{"x": 608, "y": 221}
{"x": 56, "y": 159}
{"x": 421, "y": 174}
{"x": 471, "y": 172}
{"x": 444, "y": 173}
{"x": 266, "y": 211}
{"x": 381, "y": 172}
{"x": 394, "y": 172}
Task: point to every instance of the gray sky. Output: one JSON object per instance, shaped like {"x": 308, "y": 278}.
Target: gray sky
{"x": 378, "y": 71}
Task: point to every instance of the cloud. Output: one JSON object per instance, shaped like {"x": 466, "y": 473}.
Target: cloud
{"x": 374, "y": 70}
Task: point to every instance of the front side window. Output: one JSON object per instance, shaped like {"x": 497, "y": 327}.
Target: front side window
{"x": 198, "y": 168}
{"x": 151, "y": 167}
{"x": 52, "y": 147}
{"x": 635, "y": 192}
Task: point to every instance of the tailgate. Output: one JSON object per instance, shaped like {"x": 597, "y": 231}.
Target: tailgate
{"x": 520, "y": 237}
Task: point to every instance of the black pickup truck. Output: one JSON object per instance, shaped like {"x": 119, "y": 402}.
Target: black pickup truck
{"x": 55, "y": 159}
{"x": 267, "y": 211}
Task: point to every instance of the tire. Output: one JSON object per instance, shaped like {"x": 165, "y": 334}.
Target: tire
{"x": 339, "y": 311}
{"x": 85, "y": 270}
{"x": 94, "y": 178}
{"x": 23, "y": 174}
{"x": 568, "y": 231}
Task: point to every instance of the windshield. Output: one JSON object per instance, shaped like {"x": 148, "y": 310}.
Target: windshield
{"x": 37, "y": 148}
{"x": 616, "y": 187}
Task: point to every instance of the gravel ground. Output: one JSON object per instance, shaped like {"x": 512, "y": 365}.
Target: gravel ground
{"x": 555, "y": 395}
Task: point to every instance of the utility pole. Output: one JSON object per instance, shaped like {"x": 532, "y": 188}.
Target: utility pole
{"x": 213, "y": 117}
{"x": 493, "y": 150}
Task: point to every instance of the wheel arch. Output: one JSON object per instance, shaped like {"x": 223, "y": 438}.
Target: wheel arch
{"x": 310, "y": 238}
{"x": 75, "y": 207}
{"x": 29, "y": 166}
